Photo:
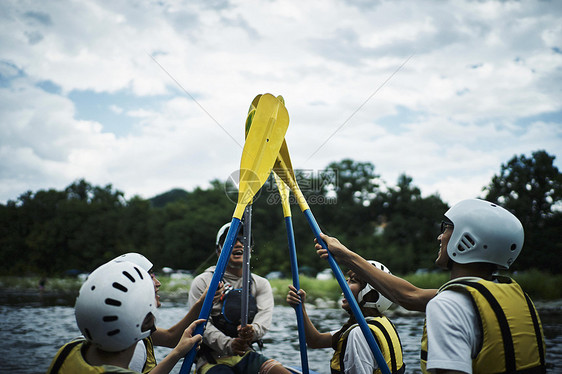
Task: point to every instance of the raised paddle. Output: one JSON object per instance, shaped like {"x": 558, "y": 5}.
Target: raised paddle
{"x": 247, "y": 234}
{"x": 260, "y": 151}
{"x": 284, "y": 195}
{"x": 284, "y": 169}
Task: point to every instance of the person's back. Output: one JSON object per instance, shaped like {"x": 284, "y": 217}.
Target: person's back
{"x": 70, "y": 359}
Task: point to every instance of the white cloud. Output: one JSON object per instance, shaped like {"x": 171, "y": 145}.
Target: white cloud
{"x": 480, "y": 83}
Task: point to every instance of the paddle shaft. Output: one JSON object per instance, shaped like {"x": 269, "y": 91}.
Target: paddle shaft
{"x": 349, "y": 296}
{"x": 296, "y": 284}
{"x": 224, "y": 257}
{"x": 246, "y": 265}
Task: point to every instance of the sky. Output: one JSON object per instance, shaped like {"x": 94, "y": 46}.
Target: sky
{"x": 152, "y": 95}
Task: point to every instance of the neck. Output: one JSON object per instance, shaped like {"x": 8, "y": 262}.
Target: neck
{"x": 234, "y": 270}
{"x": 477, "y": 269}
{"x": 97, "y": 357}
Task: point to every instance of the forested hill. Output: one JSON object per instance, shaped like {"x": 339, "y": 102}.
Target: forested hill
{"x": 49, "y": 232}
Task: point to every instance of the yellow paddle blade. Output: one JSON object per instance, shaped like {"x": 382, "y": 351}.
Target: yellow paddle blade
{"x": 251, "y": 113}
{"x": 263, "y": 142}
{"x": 249, "y": 121}
{"x": 255, "y": 102}
{"x": 284, "y": 169}
{"x": 284, "y": 195}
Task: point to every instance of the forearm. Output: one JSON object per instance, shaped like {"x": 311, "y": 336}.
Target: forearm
{"x": 396, "y": 289}
{"x": 168, "y": 363}
{"x": 314, "y": 338}
{"x": 171, "y": 337}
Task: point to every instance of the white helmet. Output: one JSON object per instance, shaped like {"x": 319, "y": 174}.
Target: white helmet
{"x": 484, "y": 232}
{"x": 135, "y": 258}
{"x": 113, "y": 304}
{"x": 381, "y": 303}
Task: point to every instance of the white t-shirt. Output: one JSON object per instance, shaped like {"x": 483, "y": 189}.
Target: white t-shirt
{"x": 139, "y": 357}
{"x": 358, "y": 357}
{"x": 453, "y": 332}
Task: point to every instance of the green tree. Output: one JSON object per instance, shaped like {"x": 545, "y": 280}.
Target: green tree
{"x": 531, "y": 188}
{"x": 408, "y": 225}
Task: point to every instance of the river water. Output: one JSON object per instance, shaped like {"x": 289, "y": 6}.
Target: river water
{"x": 33, "y": 329}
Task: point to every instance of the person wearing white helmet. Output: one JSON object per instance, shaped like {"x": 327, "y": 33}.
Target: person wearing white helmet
{"x": 477, "y": 322}
{"x": 227, "y": 347}
{"x": 352, "y": 354}
{"x": 144, "y": 359}
{"x": 115, "y": 309}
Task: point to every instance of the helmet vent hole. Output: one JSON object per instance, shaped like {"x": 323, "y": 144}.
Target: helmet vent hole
{"x": 139, "y": 273}
{"x": 88, "y": 335}
{"x": 113, "y": 302}
{"x": 113, "y": 332}
{"x": 120, "y": 287}
{"x": 513, "y": 247}
{"x": 125, "y": 273}
{"x": 110, "y": 318}
{"x": 466, "y": 243}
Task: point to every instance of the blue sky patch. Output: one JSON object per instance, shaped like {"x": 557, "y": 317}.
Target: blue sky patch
{"x": 101, "y": 107}
{"x": 394, "y": 122}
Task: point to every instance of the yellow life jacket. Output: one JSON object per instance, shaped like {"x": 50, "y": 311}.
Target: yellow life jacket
{"x": 512, "y": 335}
{"x": 150, "y": 357}
{"x": 69, "y": 360}
{"x": 387, "y": 339}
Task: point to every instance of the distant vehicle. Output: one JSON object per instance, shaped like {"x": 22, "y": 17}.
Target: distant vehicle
{"x": 181, "y": 274}
{"x": 275, "y": 275}
{"x": 325, "y": 274}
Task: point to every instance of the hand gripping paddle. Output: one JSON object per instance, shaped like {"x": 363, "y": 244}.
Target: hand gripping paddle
{"x": 263, "y": 142}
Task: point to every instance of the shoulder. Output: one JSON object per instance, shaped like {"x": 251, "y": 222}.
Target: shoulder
{"x": 451, "y": 309}
{"x": 356, "y": 334}
{"x": 449, "y": 301}
{"x": 205, "y": 275}
{"x": 259, "y": 278}
{"x": 260, "y": 281}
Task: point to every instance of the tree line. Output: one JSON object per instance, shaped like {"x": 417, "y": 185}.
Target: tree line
{"x": 52, "y": 232}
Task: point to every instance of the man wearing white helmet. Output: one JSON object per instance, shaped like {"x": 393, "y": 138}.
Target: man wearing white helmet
{"x": 352, "y": 354}
{"x": 477, "y": 322}
{"x": 226, "y": 346}
{"x": 144, "y": 359}
{"x": 114, "y": 310}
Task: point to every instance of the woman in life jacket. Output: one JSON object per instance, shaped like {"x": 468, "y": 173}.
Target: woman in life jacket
{"x": 352, "y": 354}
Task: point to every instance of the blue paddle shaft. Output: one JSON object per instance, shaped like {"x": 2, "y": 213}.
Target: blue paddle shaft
{"x": 208, "y": 302}
{"x": 296, "y": 284}
{"x": 349, "y": 296}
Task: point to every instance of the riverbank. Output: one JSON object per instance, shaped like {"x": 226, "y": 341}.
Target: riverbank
{"x": 543, "y": 288}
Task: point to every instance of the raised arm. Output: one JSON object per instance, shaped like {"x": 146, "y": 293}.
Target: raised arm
{"x": 314, "y": 338}
{"x": 396, "y": 289}
{"x": 185, "y": 343}
{"x": 170, "y": 337}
